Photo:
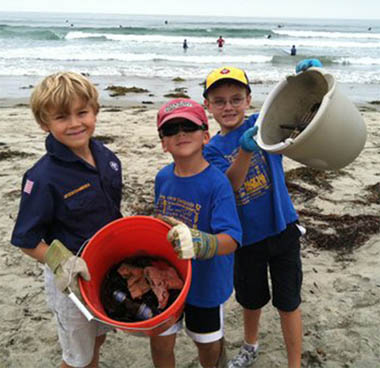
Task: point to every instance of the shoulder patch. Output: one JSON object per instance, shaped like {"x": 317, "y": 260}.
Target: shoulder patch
{"x": 28, "y": 186}
{"x": 114, "y": 165}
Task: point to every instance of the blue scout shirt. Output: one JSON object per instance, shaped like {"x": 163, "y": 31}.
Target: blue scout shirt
{"x": 206, "y": 202}
{"x": 65, "y": 198}
{"x": 263, "y": 201}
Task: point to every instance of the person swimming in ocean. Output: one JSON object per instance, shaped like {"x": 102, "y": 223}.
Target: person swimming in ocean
{"x": 293, "y": 51}
{"x": 220, "y": 41}
{"x": 185, "y": 45}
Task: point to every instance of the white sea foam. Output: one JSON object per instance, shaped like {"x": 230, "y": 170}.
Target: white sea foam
{"x": 323, "y": 34}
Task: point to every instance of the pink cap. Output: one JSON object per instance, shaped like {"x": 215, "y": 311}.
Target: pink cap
{"x": 182, "y": 108}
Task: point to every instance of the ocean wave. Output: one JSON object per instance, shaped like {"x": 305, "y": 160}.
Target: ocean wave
{"x": 241, "y": 42}
{"x": 136, "y": 70}
{"x": 7, "y": 32}
{"x": 325, "y": 34}
{"x": 357, "y": 61}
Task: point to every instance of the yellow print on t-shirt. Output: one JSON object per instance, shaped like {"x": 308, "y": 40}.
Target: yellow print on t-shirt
{"x": 180, "y": 209}
{"x": 257, "y": 182}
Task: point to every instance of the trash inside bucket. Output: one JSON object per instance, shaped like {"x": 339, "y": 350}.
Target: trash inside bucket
{"x": 128, "y": 237}
{"x": 307, "y": 118}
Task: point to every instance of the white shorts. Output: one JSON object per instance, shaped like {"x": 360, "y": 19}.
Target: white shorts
{"x": 195, "y": 317}
{"x": 76, "y": 335}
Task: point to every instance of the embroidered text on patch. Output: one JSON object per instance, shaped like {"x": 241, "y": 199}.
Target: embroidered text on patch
{"x": 28, "y": 186}
{"x": 75, "y": 191}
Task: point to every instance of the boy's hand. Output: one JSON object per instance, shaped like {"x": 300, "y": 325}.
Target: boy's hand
{"x": 65, "y": 266}
{"x": 190, "y": 243}
{"x": 308, "y": 63}
{"x": 247, "y": 141}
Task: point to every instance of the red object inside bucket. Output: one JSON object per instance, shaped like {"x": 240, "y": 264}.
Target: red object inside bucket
{"x": 130, "y": 236}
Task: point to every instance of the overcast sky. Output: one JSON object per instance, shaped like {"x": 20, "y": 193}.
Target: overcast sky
{"x": 366, "y": 9}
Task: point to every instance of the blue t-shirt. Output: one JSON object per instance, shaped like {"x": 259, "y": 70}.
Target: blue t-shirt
{"x": 65, "y": 198}
{"x": 206, "y": 202}
{"x": 263, "y": 201}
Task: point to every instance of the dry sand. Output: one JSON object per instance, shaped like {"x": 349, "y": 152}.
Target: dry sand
{"x": 341, "y": 255}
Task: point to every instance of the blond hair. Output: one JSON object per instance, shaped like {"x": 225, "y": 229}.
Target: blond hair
{"x": 57, "y": 93}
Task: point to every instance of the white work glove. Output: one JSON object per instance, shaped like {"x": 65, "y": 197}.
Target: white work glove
{"x": 190, "y": 243}
{"x": 66, "y": 267}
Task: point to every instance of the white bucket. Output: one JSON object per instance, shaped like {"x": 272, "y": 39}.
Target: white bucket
{"x": 331, "y": 131}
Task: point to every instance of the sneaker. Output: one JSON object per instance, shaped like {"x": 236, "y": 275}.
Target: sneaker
{"x": 244, "y": 358}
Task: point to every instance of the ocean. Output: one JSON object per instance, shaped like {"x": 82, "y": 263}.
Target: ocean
{"x": 147, "y": 50}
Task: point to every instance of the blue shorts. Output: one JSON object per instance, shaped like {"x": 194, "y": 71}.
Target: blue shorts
{"x": 281, "y": 254}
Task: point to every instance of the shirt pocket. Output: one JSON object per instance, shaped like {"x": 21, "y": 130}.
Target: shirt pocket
{"x": 83, "y": 204}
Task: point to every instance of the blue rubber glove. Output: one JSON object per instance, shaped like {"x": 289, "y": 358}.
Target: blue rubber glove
{"x": 306, "y": 64}
{"x": 247, "y": 141}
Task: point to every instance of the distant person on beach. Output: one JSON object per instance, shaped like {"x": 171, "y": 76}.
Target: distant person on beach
{"x": 67, "y": 196}
{"x": 185, "y": 45}
{"x": 293, "y": 51}
{"x": 269, "y": 220}
{"x": 220, "y": 42}
{"x": 199, "y": 201}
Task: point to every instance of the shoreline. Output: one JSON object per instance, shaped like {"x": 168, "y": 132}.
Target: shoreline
{"x": 17, "y": 90}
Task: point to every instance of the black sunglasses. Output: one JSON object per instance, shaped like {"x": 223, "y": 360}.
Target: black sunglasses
{"x": 170, "y": 129}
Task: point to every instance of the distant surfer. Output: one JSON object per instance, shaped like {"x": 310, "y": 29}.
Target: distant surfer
{"x": 269, "y": 36}
{"x": 293, "y": 51}
{"x": 220, "y": 41}
{"x": 369, "y": 28}
{"x": 185, "y": 45}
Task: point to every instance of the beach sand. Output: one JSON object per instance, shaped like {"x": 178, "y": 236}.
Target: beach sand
{"x": 341, "y": 252}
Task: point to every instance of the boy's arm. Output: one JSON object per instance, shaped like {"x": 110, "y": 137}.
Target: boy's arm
{"x": 65, "y": 266}
{"x": 238, "y": 170}
{"x": 226, "y": 244}
{"x": 38, "y": 253}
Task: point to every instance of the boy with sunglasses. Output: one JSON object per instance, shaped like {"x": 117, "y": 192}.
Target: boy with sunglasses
{"x": 270, "y": 232}
{"x": 197, "y": 199}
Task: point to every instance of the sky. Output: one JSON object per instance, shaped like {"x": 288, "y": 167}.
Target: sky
{"x": 341, "y": 9}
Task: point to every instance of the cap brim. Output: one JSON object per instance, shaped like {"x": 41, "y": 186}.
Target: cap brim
{"x": 183, "y": 115}
{"x": 223, "y": 79}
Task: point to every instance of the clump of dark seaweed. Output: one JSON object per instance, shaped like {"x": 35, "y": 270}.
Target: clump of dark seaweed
{"x": 313, "y": 176}
{"x": 105, "y": 139}
{"x": 300, "y": 192}
{"x": 180, "y": 92}
{"x": 345, "y": 232}
{"x": 7, "y": 154}
{"x": 374, "y": 193}
{"x": 121, "y": 91}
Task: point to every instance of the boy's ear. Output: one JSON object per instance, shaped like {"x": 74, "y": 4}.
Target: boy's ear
{"x": 249, "y": 99}
{"x": 164, "y": 145}
{"x": 206, "y": 137}
{"x": 45, "y": 128}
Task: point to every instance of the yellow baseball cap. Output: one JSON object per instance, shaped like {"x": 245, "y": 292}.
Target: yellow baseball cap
{"x": 226, "y": 72}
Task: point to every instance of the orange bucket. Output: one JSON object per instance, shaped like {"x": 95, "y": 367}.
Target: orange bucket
{"x": 126, "y": 237}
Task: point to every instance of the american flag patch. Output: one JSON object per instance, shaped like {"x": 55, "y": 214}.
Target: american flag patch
{"x": 28, "y": 186}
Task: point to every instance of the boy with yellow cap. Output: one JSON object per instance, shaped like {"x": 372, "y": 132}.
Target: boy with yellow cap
{"x": 269, "y": 220}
